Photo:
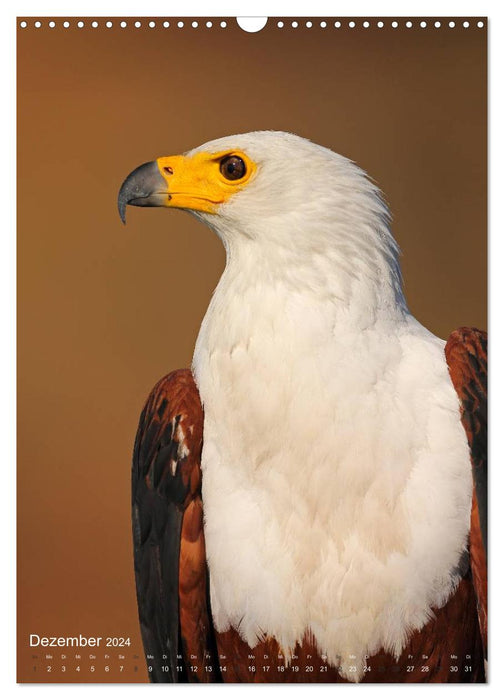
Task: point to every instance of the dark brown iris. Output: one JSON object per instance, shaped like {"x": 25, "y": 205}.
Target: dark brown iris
{"x": 232, "y": 167}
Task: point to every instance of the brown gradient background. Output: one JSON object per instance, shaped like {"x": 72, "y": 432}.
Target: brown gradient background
{"x": 106, "y": 310}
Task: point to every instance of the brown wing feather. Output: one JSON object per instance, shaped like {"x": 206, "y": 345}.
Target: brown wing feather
{"x": 466, "y": 355}
{"x": 169, "y": 547}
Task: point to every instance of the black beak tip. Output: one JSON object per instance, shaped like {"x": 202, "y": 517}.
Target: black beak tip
{"x": 121, "y": 205}
{"x": 142, "y": 188}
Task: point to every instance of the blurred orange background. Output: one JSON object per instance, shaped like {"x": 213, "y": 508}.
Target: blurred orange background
{"x": 106, "y": 310}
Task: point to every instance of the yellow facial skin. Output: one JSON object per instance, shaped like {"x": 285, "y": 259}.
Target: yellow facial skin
{"x": 196, "y": 182}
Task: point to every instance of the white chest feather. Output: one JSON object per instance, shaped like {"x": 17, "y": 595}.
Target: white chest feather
{"x": 336, "y": 473}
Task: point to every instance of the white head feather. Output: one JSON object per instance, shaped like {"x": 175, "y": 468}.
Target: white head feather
{"x": 314, "y": 219}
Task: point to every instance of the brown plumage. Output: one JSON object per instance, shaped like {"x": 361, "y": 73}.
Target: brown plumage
{"x": 171, "y": 571}
{"x": 169, "y": 546}
{"x": 466, "y": 354}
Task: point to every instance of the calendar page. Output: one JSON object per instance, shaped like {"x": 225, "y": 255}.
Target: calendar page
{"x": 252, "y": 439}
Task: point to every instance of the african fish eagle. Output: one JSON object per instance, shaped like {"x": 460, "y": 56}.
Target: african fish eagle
{"x": 309, "y": 499}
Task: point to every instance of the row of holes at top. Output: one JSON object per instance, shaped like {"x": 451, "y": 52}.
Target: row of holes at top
{"x": 294, "y": 24}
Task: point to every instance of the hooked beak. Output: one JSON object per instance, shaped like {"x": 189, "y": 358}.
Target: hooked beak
{"x": 144, "y": 187}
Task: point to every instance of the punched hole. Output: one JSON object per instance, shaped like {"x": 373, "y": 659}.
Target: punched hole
{"x": 252, "y": 24}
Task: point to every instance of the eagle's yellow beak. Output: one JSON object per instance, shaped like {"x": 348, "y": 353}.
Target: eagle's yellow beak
{"x": 200, "y": 182}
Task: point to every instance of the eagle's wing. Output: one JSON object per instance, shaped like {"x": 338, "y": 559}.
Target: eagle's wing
{"x": 466, "y": 354}
{"x": 169, "y": 547}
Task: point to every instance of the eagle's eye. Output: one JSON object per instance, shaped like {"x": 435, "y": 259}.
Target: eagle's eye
{"x": 233, "y": 167}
